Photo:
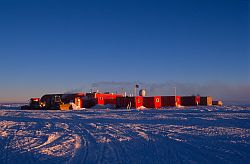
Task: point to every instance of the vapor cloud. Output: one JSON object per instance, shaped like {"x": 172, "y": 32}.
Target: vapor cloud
{"x": 229, "y": 93}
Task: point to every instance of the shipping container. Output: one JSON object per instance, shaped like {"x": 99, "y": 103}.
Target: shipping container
{"x": 167, "y": 101}
{"x": 152, "y": 102}
{"x": 112, "y": 99}
{"x": 206, "y": 101}
{"x": 129, "y": 102}
{"x": 99, "y": 98}
{"x": 89, "y": 100}
{"x": 190, "y": 100}
{"x": 104, "y": 99}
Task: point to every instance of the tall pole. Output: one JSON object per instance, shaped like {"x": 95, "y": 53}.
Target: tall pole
{"x": 136, "y": 86}
{"x": 123, "y": 92}
{"x": 135, "y": 91}
{"x": 175, "y": 96}
{"x": 175, "y": 93}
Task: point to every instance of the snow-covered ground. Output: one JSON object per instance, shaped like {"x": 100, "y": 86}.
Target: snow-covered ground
{"x": 189, "y": 135}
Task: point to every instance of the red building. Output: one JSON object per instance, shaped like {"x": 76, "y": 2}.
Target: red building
{"x": 104, "y": 98}
{"x": 190, "y": 100}
{"x": 129, "y": 102}
{"x": 152, "y": 102}
{"x": 167, "y": 101}
{"x": 206, "y": 101}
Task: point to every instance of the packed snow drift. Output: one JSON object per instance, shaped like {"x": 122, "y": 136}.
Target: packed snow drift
{"x": 186, "y": 135}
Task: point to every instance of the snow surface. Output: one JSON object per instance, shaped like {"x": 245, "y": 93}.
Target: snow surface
{"x": 186, "y": 135}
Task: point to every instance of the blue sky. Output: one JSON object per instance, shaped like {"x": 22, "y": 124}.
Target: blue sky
{"x": 51, "y": 46}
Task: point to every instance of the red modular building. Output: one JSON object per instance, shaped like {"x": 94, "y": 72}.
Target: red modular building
{"x": 129, "y": 102}
{"x": 190, "y": 100}
{"x": 152, "y": 102}
{"x": 103, "y": 99}
{"x": 206, "y": 101}
{"x": 89, "y": 100}
{"x": 167, "y": 101}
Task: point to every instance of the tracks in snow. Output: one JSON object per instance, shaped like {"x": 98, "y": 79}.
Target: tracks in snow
{"x": 124, "y": 136}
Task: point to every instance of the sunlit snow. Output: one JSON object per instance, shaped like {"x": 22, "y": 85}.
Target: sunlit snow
{"x": 187, "y": 135}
